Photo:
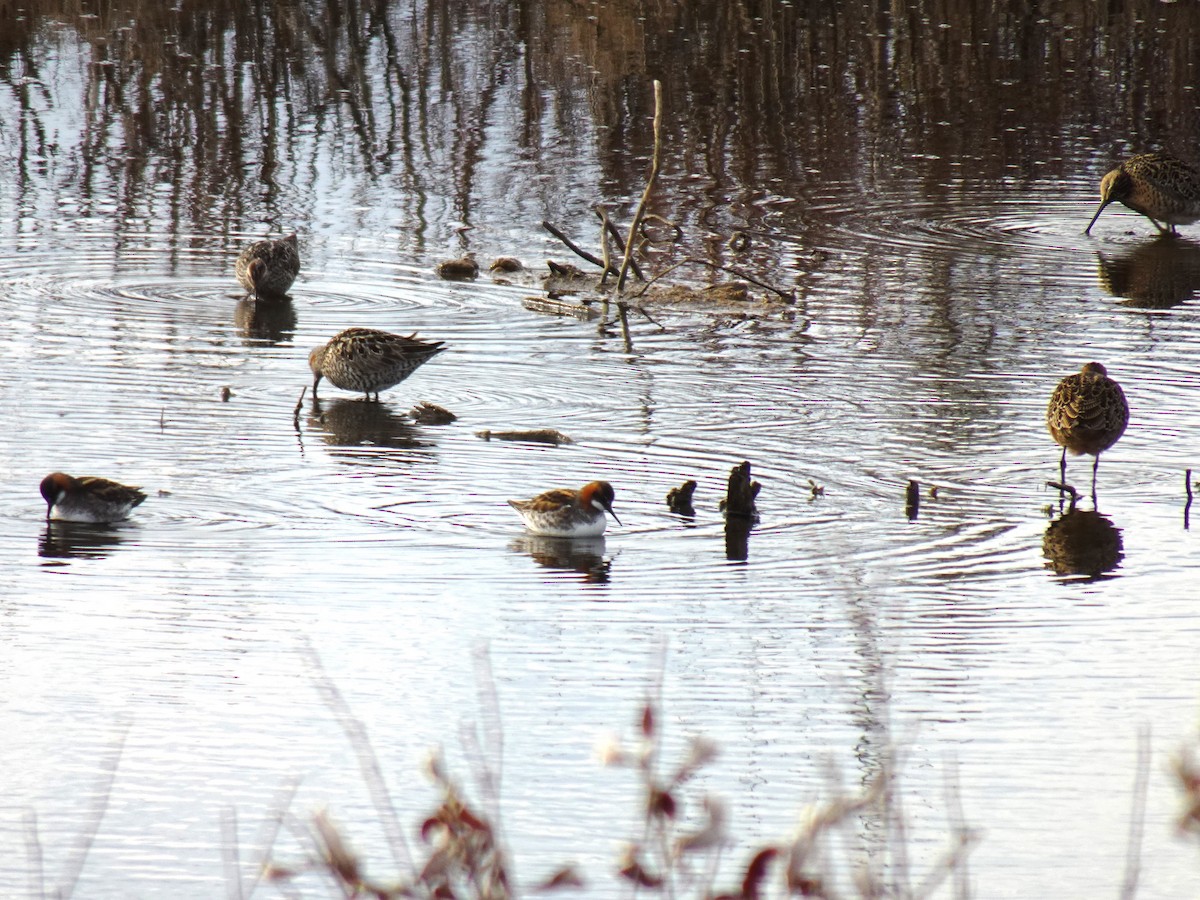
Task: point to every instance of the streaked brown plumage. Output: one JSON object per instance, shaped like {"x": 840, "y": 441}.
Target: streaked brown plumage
{"x": 1160, "y": 187}
{"x": 268, "y": 268}
{"x": 1087, "y": 414}
{"x": 370, "y": 361}
{"x": 88, "y": 499}
{"x": 567, "y": 513}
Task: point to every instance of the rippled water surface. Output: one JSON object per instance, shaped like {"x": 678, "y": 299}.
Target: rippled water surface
{"x": 929, "y": 239}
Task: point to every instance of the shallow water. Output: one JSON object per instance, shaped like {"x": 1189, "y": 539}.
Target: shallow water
{"x": 942, "y": 286}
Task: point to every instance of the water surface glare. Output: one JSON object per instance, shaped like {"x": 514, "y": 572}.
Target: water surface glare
{"x": 942, "y": 287}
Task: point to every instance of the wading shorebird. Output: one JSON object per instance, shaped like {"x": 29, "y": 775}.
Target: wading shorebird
{"x": 268, "y": 268}
{"x": 566, "y": 513}
{"x": 87, "y": 499}
{"x": 370, "y": 361}
{"x": 1162, "y": 188}
{"x": 1087, "y": 414}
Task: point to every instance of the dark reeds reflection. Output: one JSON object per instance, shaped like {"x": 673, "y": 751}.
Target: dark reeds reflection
{"x": 78, "y": 540}
{"x": 582, "y": 555}
{"x": 216, "y": 113}
{"x": 1157, "y": 274}
{"x": 266, "y": 322}
{"x": 1083, "y": 542}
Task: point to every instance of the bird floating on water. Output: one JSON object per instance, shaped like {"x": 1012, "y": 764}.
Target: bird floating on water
{"x": 88, "y": 499}
{"x": 1162, "y": 188}
{"x": 268, "y": 268}
{"x": 370, "y": 361}
{"x": 1087, "y": 414}
{"x": 569, "y": 514}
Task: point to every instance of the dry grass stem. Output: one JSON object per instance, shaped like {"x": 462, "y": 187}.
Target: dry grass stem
{"x": 655, "y": 163}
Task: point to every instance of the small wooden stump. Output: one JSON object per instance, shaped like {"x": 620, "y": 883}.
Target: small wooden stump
{"x": 740, "y": 512}
{"x": 912, "y": 500}
{"x": 740, "y": 494}
{"x": 679, "y": 499}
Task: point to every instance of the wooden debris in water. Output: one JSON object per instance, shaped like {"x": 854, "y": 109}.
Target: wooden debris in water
{"x": 679, "y": 499}
{"x": 425, "y": 413}
{"x": 555, "y": 307}
{"x": 655, "y": 164}
{"x": 912, "y": 500}
{"x": 574, "y": 248}
{"x": 533, "y": 435}
{"x": 815, "y": 489}
{"x": 462, "y": 269}
{"x": 226, "y": 393}
{"x": 1187, "y": 507}
{"x": 505, "y": 264}
{"x": 740, "y": 494}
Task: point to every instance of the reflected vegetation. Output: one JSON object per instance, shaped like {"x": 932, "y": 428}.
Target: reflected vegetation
{"x": 78, "y": 540}
{"x": 584, "y": 556}
{"x": 1157, "y": 274}
{"x": 1083, "y": 542}
{"x": 233, "y": 112}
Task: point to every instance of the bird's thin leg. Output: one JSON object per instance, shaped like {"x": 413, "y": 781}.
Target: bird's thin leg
{"x": 1062, "y": 467}
{"x": 1095, "y": 466}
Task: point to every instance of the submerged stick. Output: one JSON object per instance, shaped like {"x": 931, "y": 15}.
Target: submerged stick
{"x": 655, "y": 163}
{"x": 615, "y": 232}
{"x": 296, "y": 411}
{"x": 604, "y": 248}
{"x": 573, "y": 247}
{"x": 789, "y": 296}
{"x": 623, "y": 314}
{"x": 1187, "y": 507}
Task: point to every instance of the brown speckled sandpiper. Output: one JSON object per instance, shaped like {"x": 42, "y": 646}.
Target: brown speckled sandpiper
{"x": 268, "y": 268}
{"x": 1160, "y": 187}
{"x": 370, "y": 361}
{"x": 1087, "y": 414}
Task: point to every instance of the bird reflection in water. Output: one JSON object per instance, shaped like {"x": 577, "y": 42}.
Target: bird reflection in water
{"x": 1157, "y": 274}
{"x": 1083, "y": 542}
{"x": 358, "y": 423}
{"x": 584, "y": 556}
{"x": 79, "y": 540}
{"x": 265, "y": 321}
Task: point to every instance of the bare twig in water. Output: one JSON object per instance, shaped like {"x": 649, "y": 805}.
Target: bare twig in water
{"x": 655, "y": 217}
{"x": 368, "y": 762}
{"x": 1187, "y": 507}
{"x": 623, "y": 314}
{"x": 789, "y": 296}
{"x": 640, "y": 213}
{"x": 604, "y": 249}
{"x": 615, "y": 232}
{"x": 573, "y": 247}
{"x": 1063, "y": 488}
{"x": 1137, "y": 818}
{"x": 296, "y": 411}
{"x": 108, "y": 774}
